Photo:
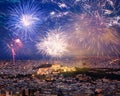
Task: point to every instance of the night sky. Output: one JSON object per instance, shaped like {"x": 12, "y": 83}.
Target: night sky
{"x": 86, "y": 27}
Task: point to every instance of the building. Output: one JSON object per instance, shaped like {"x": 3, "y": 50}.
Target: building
{"x": 54, "y": 68}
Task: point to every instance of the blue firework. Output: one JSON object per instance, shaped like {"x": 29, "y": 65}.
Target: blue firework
{"x": 25, "y": 18}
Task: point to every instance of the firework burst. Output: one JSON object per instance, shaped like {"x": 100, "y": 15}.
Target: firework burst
{"x": 92, "y": 29}
{"x": 24, "y": 18}
{"x": 55, "y": 44}
{"x": 93, "y": 36}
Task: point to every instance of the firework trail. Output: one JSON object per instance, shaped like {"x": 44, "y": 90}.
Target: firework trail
{"x": 54, "y": 44}
{"x": 13, "y": 52}
{"x": 14, "y": 46}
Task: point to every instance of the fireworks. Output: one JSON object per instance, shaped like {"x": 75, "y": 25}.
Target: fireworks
{"x": 14, "y": 46}
{"x": 92, "y": 26}
{"x": 93, "y": 37}
{"x": 54, "y": 44}
{"x": 28, "y": 20}
{"x": 25, "y": 18}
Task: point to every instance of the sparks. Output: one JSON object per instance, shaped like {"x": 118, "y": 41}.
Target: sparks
{"x": 25, "y": 19}
{"x": 94, "y": 37}
{"x": 54, "y": 44}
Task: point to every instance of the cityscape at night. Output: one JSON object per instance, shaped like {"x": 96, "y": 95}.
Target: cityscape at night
{"x": 59, "y": 47}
